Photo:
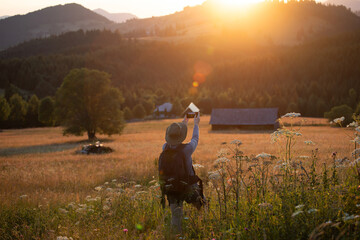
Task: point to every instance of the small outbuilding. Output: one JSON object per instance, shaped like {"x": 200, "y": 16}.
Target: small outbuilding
{"x": 163, "y": 110}
{"x": 192, "y": 108}
{"x": 244, "y": 118}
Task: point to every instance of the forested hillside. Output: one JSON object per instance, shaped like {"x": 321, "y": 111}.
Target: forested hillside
{"x": 310, "y": 78}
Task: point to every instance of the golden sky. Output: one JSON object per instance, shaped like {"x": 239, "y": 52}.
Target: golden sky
{"x": 141, "y": 8}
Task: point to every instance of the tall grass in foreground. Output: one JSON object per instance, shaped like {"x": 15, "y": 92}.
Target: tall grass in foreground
{"x": 249, "y": 197}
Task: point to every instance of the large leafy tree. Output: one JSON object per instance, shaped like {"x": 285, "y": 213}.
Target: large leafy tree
{"x": 86, "y": 102}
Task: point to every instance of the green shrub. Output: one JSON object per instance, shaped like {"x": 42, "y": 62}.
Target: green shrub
{"x": 340, "y": 111}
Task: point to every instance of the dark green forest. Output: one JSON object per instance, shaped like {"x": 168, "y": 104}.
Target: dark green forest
{"x": 310, "y": 78}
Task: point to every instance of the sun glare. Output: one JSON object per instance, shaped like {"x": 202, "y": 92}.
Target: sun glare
{"x": 237, "y": 3}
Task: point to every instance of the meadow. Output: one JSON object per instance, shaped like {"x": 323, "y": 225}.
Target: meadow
{"x": 49, "y": 190}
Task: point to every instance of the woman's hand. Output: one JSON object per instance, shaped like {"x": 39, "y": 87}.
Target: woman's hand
{"x": 197, "y": 119}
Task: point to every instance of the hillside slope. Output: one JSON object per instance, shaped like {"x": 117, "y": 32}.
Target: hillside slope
{"x": 49, "y": 21}
{"x": 354, "y": 5}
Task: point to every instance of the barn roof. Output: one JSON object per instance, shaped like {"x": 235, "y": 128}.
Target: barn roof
{"x": 243, "y": 116}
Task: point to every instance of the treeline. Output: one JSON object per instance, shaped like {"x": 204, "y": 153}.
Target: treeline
{"x": 19, "y": 111}
{"x": 213, "y": 73}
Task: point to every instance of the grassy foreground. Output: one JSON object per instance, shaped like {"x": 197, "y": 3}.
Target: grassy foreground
{"x": 295, "y": 190}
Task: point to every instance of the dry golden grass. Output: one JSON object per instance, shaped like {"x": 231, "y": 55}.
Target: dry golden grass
{"x": 42, "y": 163}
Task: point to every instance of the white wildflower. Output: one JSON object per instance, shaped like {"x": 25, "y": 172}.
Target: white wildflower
{"x": 309, "y": 142}
{"x": 236, "y": 142}
{"x": 81, "y": 210}
{"x": 263, "y": 155}
{"x": 283, "y": 132}
{"x": 339, "y": 120}
{"x": 155, "y": 186}
{"x": 300, "y": 206}
{"x": 106, "y": 183}
{"x": 137, "y": 186}
{"x": 291, "y": 115}
{"x": 357, "y": 205}
{"x": 222, "y": 160}
{"x": 351, "y": 217}
{"x": 106, "y": 208}
{"x": 353, "y": 124}
{"x": 296, "y": 213}
{"x": 312, "y": 210}
{"x": 152, "y": 181}
{"x": 109, "y": 190}
{"x": 63, "y": 211}
{"x": 98, "y": 188}
{"x": 63, "y": 238}
{"x": 114, "y": 180}
{"x": 93, "y": 199}
{"x": 197, "y": 166}
{"x": 23, "y": 196}
{"x": 214, "y": 175}
{"x": 304, "y": 157}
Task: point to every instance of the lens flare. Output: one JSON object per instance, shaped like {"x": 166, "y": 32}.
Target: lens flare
{"x": 202, "y": 67}
{"x": 199, "y": 78}
{"x": 195, "y": 84}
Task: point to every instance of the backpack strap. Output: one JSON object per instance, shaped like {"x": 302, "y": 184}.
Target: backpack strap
{"x": 180, "y": 148}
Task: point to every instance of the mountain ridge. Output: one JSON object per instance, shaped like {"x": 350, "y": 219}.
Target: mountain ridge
{"x": 115, "y": 17}
{"x": 49, "y": 21}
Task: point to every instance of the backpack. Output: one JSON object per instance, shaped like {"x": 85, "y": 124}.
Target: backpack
{"x": 173, "y": 176}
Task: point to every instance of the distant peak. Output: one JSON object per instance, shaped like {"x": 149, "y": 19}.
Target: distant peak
{"x": 98, "y": 10}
